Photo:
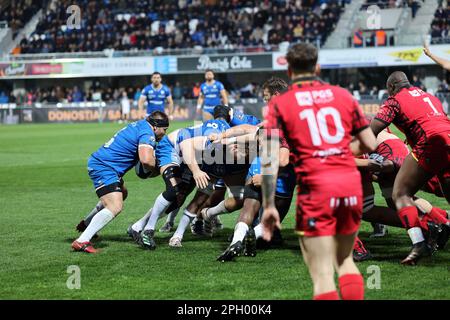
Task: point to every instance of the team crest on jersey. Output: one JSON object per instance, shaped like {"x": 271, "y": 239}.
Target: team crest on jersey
{"x": 304, "y": 98}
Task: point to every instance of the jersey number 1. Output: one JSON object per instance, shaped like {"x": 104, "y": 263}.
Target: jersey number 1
{"x": 318, "y": 127}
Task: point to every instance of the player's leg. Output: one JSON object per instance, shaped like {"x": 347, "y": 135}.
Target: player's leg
{"x": 212, "y": 222}
{"x": 170, "y": 221}
{"x": 113, "y": 204}
{"x": 437, "y": 218}
{"x": 444, "y": 182}
{"x": 189, "y": 214}
{"x": 318, "y": 254}
{"x": 242, "y": 231}
{"x": 408, "y": 181}
{"x": 82, "y": 225}
{"x": 351, "y": 282}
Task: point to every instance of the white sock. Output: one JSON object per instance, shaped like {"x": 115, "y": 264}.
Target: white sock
{"x": 416, "y": 235}
{"x": 217, "y": 210}
{"x": 140, "y": 224}
{"x": 100, "y": 220}
{"x": 258, "y": 231}
{"x": 172, "y": 215}
{"x": 161, "y": 204}
{"x": 99, "y": 206}
{"x": 240, "y": 230}
{"x": 184, "y": 223}
{"x": 152, "y": 221}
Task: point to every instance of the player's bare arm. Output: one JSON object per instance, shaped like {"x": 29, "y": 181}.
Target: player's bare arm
{"x": 147, "y": 156}
{"x": 224, "y": 95}
{"x": 284, "y": 157}
{"x": 200, "y": 101}
{"x": 377, "y": 126}
{"x": 141, "y": 102}
{"x": 365, "y": 142}
{"x": 189, "y": 150}
{"x": 269, "y": 170}
{"x": 170, "y": 106}
{"x": 240, "y": 130}
{"x": 440, "y": 61}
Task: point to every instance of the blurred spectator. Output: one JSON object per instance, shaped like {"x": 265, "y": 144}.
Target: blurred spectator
{"x": 4, "y": 98}
{"x": 177, "y": 91}
{"x": 196, "y": 90}
{"x": 77, "y": 95}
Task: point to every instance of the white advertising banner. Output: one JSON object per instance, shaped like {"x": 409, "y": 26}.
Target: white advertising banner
{"x": 370, "y": 57}
{"x": 89, "y": 67}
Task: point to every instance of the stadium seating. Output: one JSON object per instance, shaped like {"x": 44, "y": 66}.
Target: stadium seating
{"x": 440, "y": 27}
{"x": 146, "y": 25}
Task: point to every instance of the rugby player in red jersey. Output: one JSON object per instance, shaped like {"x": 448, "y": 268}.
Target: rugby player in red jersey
{"x": 318, "y": 121}
{"x": 382, "y": 166}
{"x": 420, "y": 116}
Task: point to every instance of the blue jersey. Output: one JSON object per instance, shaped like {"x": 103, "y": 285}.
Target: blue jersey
{"x": 285, "y": 181}
{"x": 240, "y": 118}
{"x": 211, "y": 93}
{"x": 121, "y": 152}
{"x": 156, "y": 98}
{"x": 204, "y": 129}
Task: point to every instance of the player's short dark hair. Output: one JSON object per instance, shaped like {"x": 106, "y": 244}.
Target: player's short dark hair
{"x": 156, "y": 73}
{"x": 210, "y": 70}
{"x": 221, "y": 111}
{"x": 158, "y": 119}
{"x": 275, "y": 85}
{"x": 302, "y": 58}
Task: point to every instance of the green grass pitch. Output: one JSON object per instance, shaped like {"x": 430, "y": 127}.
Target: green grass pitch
{"x": 45, "y": 191}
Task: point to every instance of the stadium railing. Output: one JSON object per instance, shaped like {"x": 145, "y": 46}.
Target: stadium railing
{"x": 111, "y": 53}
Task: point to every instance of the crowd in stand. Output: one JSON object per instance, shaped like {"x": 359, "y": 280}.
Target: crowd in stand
{"x": 172, "y": 24}
{"x": 440, "y": 27}
{"x": 60, "y": 94}
{"x": 20, "y": 12}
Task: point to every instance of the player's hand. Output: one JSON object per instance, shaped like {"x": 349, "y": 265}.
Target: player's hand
{"x": 257, "y": 180}
{"x": 171, "y": 117}
{"x": 374, "y": 166}
{"x": 270, "y": 221}
{"x": 426, "y": 50}
{"x": 201, "y": 179}
{"x": 215, "y": 137}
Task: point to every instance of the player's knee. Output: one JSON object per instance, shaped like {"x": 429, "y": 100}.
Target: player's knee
{"x": 115, "y": 207}
{"x": 124, "y": 193}
{"x": 170, "y": 175}
{"x": 250, "y": 192}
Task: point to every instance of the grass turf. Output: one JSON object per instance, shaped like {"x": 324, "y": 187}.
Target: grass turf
{"x": 45, "y": 191}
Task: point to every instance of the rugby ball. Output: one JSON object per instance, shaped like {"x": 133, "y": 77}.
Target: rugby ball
{"x": 142, "y": 173}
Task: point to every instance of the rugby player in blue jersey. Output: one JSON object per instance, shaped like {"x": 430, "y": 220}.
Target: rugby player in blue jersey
{"x": 106, "y": 167}
{"x": 156, "y": 95}
{"x": 217, "y": 206}
{"x": 179, "y": 180}
{"x": 212, "y": 93}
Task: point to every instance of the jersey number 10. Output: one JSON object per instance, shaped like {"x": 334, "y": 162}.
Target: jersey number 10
{"x": 318, "y": 127}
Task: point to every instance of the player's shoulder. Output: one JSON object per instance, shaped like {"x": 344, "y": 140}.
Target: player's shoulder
{"x": 142, "y": 125}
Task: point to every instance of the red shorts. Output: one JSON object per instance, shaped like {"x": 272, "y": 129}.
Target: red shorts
{"x": 435, "y": 156}
{"x": 332, "y": 206}
{"x": 433, "y": 186}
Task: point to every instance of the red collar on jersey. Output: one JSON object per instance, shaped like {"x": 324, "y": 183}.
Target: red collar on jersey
{"x": 307, "y": 81}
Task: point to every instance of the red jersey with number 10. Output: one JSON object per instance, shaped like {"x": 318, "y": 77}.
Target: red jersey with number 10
{"x": 419, "y": 115}
{"x": 318, "y": 121}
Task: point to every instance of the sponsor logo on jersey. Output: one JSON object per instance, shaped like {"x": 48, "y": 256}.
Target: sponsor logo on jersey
{"x": 304, "y": 98}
